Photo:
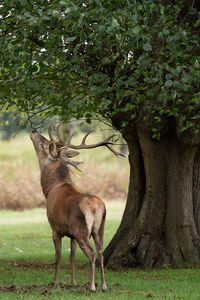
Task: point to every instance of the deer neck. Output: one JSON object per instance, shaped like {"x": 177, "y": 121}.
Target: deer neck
{"x": 53, "y": 174}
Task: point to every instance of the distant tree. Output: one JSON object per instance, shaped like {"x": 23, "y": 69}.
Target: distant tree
{"x": 136, "y": 64}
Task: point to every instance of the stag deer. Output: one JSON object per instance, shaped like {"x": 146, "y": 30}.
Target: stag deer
{"x": 70, "y": 213}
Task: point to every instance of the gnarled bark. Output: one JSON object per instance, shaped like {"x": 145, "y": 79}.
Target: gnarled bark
{"x": 160, "y": 224}
{"x": 196, "y": 190}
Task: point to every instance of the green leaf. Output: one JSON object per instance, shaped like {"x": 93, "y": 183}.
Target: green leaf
{"x": 70, "y": 39}
{"x": 147, "y": 47}
{"x": 67, "y": 10}
{"x": 168, "y": 83}
{"x": 63, "y": 3}
{"x": 197, "y": 24}
{"x": 115, "y": 23}
{"x": 55, "y": 14}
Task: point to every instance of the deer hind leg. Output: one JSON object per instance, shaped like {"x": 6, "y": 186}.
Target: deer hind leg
{"x": 72, "y": 257}
{"x": 98, "y": 239}
{"x": 57, "y": 244}
{"x": 90, "y": 253}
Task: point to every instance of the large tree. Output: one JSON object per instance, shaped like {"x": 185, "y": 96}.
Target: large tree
{"x": 137, "y": 64}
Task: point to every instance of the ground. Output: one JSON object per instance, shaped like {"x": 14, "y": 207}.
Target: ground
{"x": 27, "y": 265}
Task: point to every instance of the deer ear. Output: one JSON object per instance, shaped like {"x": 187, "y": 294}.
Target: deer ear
{"x": 53, "y": 150}
{"x": 68, "y": 154}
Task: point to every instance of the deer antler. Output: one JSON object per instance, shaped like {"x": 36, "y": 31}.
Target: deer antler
{"x": 55, "y": 152}
{"x": 50, "y": 135}
{"x": 52, "y": 146}
{"x": 59, "y": 135}
{"x": 107, "y": 143}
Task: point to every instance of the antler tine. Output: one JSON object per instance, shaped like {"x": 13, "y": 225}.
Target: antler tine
{"x": 50, "y": 135}
{"x": 75, "y": 164}
{"x": 58, "y": 134}
{"x": 81, "y": 146}
{"x": 85, "y": 137}
{"x": 118, "y": 154}
{"x": 73, "y": 172}
{"x": 68, "y": 141}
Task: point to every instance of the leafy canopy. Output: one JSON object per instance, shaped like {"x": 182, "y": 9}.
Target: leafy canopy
{"x": 116, "y": 58}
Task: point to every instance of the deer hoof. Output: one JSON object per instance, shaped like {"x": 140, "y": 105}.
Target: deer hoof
{"x": 104, "y": 288}
{"x": 74, "y": 285}
{"x": 56, "y": 284}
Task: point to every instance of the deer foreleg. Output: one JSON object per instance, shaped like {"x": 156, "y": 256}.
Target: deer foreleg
{"x": 72, "y": 257}
{"x": 57, "y": 244}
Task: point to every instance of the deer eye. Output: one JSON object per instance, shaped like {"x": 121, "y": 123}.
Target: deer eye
{"x": 42, "y": 146}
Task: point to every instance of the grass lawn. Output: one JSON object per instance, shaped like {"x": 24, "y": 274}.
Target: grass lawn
{"x": 27, "y": 265}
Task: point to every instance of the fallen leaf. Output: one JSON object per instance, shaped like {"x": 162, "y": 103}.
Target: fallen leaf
{"x": 149, "y": 294}
{"x": 18, "y": 250}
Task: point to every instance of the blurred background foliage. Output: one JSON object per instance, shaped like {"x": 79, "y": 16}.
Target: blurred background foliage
{"x": 8, "y": 123}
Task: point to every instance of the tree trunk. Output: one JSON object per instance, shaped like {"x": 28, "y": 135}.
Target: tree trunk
{"x": 196, "y": 190}
{"x": 161, "y": 224}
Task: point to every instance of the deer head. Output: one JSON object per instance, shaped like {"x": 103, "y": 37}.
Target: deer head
{"x": 49, "y": 151}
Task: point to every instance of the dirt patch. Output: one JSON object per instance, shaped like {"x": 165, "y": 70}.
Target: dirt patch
{"x": 39, "y": 265}
{"x": 45, "y": 290}
{"x": 50, "y": 290}
{"x": 41, "y": 289}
